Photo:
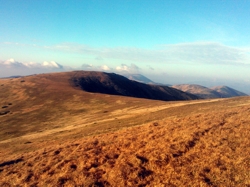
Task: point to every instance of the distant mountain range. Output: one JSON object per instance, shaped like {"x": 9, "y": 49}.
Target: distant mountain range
{"x": 142, "y": 79}
{"x": 14, "y": 76}
{"x": 207, "y": 93}
{"x": 139, "y": 78}
{"x": 198, "y": 90}
{"x": 137, "y": 85}
{"x": 225, "y": 91}
{"x": 114, "y": 84}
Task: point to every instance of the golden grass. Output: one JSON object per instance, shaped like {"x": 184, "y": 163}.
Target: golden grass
{"x": 73, "y": 138}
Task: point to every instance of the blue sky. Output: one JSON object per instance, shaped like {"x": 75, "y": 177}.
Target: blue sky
{"x": 177, "y": 41}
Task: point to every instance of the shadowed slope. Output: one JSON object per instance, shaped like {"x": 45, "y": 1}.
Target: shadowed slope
{"x": 110, "y": 83}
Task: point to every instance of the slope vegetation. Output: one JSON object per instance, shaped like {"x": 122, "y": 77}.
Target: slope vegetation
{"x": 55, "y": 135}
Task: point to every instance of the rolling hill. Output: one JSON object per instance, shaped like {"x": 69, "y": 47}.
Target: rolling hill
{"x": 198, "y": 90}
{"x": 111, "y": 83}
{"x": 56, "y": 134}
{"x": 225, "y": 91}
{"x": 204, "y": 92}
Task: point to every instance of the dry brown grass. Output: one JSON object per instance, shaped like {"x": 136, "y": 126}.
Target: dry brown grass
{"x": 66, "y": 137}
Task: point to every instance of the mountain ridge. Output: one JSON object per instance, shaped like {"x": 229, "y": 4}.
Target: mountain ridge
{"x": 226, "y": 91}
{"x": 114, "y": 84}
{"x": 208, "y": 93}
{"x": 55, "y": 134}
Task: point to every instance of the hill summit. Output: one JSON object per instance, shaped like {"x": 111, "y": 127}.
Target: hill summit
{"x": 208, "y": 93}
{"x": 226, "y": 91}
{"x": 53, "y": 133}
{"x": 114, "y": 84}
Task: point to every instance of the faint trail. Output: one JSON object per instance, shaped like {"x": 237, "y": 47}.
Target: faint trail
{"x": 130, "y": 111}
{"x": 121, "y": 113}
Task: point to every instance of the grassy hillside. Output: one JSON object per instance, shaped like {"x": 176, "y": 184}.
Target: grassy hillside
{"x": 55, "y": 135}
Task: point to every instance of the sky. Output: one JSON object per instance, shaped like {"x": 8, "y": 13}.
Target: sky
{"x": 203, "y": 42}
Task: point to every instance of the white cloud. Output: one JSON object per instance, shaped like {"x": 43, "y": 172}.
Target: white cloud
{"x": 187, "y": 53}
{"x": 195, "y": 60}
{"x": 32, "y": 64}
{"x": 10, "y": 63}
{"x": 207, "y": 52}
{"x": 196, "y": 52}
{"x": 128, "y": 69}
{"x": 12, "y": 67}
{"x": 105, "y": 68}
{"x": 123, "y": 67}
{"x": 90, "y": 67}
{"x": 51, "y": 64}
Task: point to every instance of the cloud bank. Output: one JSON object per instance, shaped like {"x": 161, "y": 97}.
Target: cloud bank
{"x": 132, "y": 69}
{"x": 121, "y": 69}
{"x": 12, "y": 67}
{"x": 197, "y": 52}
{"x": 175, "y": 63}
{"x": 11, "y": 63}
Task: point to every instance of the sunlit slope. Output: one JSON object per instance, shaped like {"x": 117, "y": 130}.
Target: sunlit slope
{"x": 49, "y": 101}
{"x": 202, "y": 144}
{"x": 58, "y": 135}
{"x": 44, "y": 103}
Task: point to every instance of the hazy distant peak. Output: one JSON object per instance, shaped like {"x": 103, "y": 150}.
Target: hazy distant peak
{"x": 138, "y": 78}
{"x": 214, "y": 92}
{"x": 198, "y": 90}
{"x": 226, "y": 91}
{"x": 190, "y": 86}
